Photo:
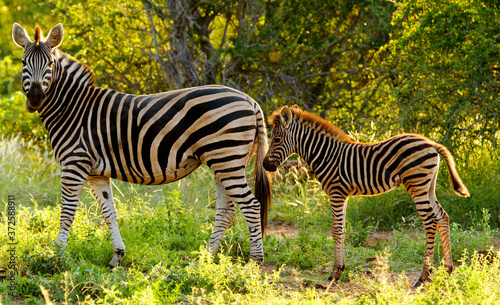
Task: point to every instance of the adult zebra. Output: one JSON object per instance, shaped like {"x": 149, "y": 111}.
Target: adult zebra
{"x": 98, "y": 134}
{"x": 346, "y": 168}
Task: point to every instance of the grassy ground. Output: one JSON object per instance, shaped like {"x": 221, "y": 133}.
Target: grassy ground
{"x": 165, "y": 228}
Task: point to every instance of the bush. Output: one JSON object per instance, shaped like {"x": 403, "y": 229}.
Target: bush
{"x": 16, "y": 120}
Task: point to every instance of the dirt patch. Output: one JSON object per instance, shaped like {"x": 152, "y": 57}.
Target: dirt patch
{"x": 379, "y": 237}
{"x": 496, "y": 243}
{"x": 280, "y": 229}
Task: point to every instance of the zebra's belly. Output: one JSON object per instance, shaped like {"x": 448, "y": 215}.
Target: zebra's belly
{"x": 172, "y": 174}
{"x": 150, "y": 175}
{"x": 370, "y": 188}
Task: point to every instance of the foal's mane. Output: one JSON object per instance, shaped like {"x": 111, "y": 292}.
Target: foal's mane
{"x": 312, "y": 121}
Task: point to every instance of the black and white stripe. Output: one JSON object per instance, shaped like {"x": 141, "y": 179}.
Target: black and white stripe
{"x": 346, "y": 168}
{"x": 98, "y": 134}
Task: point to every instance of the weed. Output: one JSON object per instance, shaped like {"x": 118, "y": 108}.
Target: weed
{"x": 45, "y": 262}
{"x": 357, "y": 234}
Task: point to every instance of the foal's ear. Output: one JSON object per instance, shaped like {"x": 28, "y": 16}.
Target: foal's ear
{"x": 286, "y": 116}
{"x": 20, "y": 36}
{"x": 55, "y": 36}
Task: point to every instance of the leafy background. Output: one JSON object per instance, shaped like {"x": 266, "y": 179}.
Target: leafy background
{"x": 372, "y": 67}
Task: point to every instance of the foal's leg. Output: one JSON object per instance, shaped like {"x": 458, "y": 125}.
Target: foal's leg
{"x": 338, "y": 204}
{"x": 433, "y": 217}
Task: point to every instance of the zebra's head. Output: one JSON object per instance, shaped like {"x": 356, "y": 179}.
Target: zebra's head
{"x": 38, "y": 60}
{"x": 282, "y": 141}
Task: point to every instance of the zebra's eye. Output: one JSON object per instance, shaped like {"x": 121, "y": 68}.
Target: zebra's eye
{"x": 50, "y": 63}
{"x": 24, "y": 62}
{"x": 276, "y": 140}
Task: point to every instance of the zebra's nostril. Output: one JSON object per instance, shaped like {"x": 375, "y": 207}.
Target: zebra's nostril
{"x": 270, "y": 165}
{"x": 35, "y": 97}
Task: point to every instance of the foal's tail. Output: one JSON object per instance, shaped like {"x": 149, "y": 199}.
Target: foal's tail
{"x": 458, "y": 185}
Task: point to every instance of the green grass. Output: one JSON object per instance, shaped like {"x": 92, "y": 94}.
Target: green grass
{"x": 165, "y": 229}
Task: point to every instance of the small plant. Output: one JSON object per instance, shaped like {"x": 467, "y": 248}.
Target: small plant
{"x": 227, "y": 281}
{"x": 357, "y": 234}
{"x": 28, "y": 286}
{"x": 45, "y": 261}
{"x": 474, "y": 281}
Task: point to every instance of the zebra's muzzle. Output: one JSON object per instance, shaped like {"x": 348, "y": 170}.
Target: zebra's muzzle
{"x": 35, "y": 97}
{"x": 269, "y": 165}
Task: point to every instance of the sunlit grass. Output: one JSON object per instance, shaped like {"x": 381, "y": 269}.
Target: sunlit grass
{"x": 166, "y": 227}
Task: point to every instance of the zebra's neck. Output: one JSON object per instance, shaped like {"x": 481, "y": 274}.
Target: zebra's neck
{"x": 318, "y": 148}
{"x": 70, "y": 80}
{"x": 70, "y": 96}
{"x": 75, "y": 70}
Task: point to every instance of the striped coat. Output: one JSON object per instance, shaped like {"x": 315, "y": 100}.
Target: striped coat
{"x": 346, "y": 168}
{"x": 99, "y": 133}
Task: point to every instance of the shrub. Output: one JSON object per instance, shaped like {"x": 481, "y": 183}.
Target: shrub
{"x": 16, "y": 120}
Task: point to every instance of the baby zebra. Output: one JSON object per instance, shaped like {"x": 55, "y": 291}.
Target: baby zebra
{"x": 347, "y": 168}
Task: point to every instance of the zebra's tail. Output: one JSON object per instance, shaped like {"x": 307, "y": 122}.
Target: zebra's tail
{"x": 261, "y": 176}
{"x": 458, "y": 186}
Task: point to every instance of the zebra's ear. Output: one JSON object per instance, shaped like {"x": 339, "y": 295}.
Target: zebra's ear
{"x": 20, "y": 36}
{"x": 55, "y": 36}
{"x": 286, "y": 116}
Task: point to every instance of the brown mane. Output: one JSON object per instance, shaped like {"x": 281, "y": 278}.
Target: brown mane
{"x": 313, "y": 121}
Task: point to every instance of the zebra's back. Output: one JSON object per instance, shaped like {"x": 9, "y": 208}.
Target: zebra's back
{"x": 161, "y": 138}
{"x": 375, "y": 168}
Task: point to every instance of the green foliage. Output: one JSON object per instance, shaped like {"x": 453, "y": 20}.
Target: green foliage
{"x": 45, "y": 262}
{"x": 416, "y": 66}
{"x": 357, "y": 234}
{"x": 473, "y": 281}
{"x": 28, "y": 286}
{"x": 444, "y": 61}
{"x": 15, "y": 120}
{"x": 112, "y": 38}
{"x": 306, "y": 251}
{"x": 320, "y": 55}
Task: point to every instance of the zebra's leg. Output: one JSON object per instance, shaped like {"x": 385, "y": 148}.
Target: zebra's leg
{"x": 338, "y": 204}
{"x": 73, "y": 178}
{"x": 434, "y": 218}
{"x": 430, "y": 227}
{"x": 223, "y": 217}
{"x": 237, "y": 190}
{"x": 443, "y": 226}
{"x": 101, "y": 188}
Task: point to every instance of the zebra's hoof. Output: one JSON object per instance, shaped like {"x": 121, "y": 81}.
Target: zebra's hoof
{"x": 325, "y": 285}
{"x": 257, "y": 260}
{"x": 117, "y": 258}
{"x": 418, "y": 284}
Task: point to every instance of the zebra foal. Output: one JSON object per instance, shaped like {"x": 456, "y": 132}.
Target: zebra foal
{"x": 98, "y": 134}
{"x": 346, "y": 168}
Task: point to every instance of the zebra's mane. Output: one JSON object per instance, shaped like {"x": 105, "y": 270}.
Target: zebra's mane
{"x": 312, "y": 121}
{"x": 84, "y": 73}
